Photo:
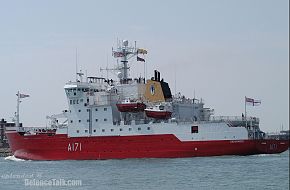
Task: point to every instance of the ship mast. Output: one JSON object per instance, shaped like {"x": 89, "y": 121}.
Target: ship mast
{"x": 17, "y": 109}
{"x": 125, "y": 52}
{"x": 19, "y": 96}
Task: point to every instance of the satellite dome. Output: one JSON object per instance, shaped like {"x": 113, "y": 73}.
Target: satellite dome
{"x": 125, "y": 43}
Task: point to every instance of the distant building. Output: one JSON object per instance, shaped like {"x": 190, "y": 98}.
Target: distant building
{"x": 3, "y": 139}
{"x": 283, "y": 135}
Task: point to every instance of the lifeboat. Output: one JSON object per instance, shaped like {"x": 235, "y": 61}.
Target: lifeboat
{"x": 130, "y": 106}
{"x": 158, "y": 112}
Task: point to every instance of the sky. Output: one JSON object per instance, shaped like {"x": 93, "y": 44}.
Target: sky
{"x": 220, "y": 51}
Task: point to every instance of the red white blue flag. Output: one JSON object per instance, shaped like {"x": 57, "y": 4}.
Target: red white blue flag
{"x": 252, "y": 102}
{"x": 118, "y": 54}
{"x": 22, "y": 95}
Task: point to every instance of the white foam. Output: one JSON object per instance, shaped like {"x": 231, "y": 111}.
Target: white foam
{"x": 13, "y": 158}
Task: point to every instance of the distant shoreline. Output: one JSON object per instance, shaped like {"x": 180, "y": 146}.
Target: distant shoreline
{"x": 5, "y": 152}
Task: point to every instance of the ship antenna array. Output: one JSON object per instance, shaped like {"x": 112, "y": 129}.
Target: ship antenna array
{"x": 76, "y": 64}
{"x": 126, "y": 52}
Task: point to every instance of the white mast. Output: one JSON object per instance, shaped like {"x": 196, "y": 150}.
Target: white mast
{"x": 246, "y": 110}
{"x": 19, "y": 96}
{"x": 17, "y": 109}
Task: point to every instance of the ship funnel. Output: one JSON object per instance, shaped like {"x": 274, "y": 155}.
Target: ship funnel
{"x": 156, "y": 75}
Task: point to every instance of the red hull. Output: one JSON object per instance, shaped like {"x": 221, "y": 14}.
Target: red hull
{"x": 158, "y": 114}
{"x": 60, "y": 147}
{"x": 131, "y": 107}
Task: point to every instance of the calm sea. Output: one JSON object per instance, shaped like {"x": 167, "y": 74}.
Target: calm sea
{"x": 225, "y": 172}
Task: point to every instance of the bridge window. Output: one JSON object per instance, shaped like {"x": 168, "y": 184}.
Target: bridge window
{"x": 105, "y": 119}
{"x": 96, "y": 109}
{"x": 96, "y": 120}
{"x": 121, "y": 129}
{"x": 86, "y": 131}
{"x": 105, "y": 109}
{"x": 130, "y": 129}
{"x": 80, "y": 121}
{"x": 112, "y": 130}
{"x": 70, "y": 101}
{"x": 103, "y": 130}
{"x": 94, "y": 130}
{"x": 148, "y": 128}
{"x": 79, "y": 110}
{"x": 194, "y": 129}
{"x": 139, "y": 129}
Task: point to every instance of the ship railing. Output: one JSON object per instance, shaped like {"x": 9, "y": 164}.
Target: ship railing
{"x": 234, "y": 118}
{"x": 38, "y": 129}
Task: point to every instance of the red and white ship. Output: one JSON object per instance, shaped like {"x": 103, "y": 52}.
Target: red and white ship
{"x": 100, "y": 124}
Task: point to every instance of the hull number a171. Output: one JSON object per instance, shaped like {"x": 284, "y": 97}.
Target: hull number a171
{"x": 74, "y": 147}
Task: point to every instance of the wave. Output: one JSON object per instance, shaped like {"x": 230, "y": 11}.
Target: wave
{"x": 13, "y": 158}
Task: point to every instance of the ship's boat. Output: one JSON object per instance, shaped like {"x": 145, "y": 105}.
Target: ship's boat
{"x": 128, "y": 105}
{"x": 159, "y": 111}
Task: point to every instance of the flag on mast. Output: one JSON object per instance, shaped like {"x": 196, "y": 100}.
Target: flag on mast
{"x": 252, "y": 102}
{"x": 22, "y": 95}
{"x": 140, "y": 59}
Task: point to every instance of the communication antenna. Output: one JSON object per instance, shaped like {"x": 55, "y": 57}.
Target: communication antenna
{"x": 175, "y": 81}
{"x": 107, "y": 68}
{"x": 76, "y": 64}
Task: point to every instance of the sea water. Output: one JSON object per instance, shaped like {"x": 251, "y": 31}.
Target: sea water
{"x": 223, "y": 172}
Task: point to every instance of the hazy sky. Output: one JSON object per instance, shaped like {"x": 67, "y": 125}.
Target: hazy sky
{"x": 223, "y": 50}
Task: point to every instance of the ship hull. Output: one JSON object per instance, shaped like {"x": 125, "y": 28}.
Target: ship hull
{"x": 61, "y": 147}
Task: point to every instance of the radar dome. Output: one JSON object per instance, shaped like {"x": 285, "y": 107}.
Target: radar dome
{"x": 120, "y": 75}
{"x": 125, "y": 43}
